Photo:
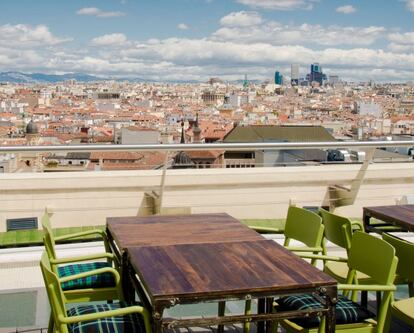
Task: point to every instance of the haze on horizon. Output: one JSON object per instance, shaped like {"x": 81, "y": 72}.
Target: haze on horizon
{"x": 198, "y": 39}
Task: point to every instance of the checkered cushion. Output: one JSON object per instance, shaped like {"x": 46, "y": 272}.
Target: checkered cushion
{"x": 347, "y": 312}
{"x": 93, "y": 281}
{"x": 132, "y": 323}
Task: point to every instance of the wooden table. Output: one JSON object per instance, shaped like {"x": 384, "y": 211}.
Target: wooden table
{"x": 209, "y": 257}
{"x": 124, "y": 232}
{"x": 194, "y": 273}
{"x": 398, "y": 215}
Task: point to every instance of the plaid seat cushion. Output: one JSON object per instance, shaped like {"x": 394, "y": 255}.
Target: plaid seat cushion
{"x": 93, "y": 281}
{"x": 347, "y": 312}
{"x": 132, "y": 323}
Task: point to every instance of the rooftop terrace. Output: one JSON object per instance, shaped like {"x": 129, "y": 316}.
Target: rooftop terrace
{"x": 259, "y": 196}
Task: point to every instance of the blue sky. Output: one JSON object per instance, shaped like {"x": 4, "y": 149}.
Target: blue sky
{"x": 197, "y": 39}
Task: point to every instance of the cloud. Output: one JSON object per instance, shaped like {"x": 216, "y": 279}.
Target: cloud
{"x": 410, "y": 5}
{"x": 348, "y": 9}
{"x": 241, "y": 19}
{"x": 23, "y": 36}
{"x": 93, "y": 11}
{"x": 230, "y": 52}
{"x": 279, "y": 4}
{"x": 274, "y": 33}
{"x": 183, "y": 26}
{"x": 109, "y": 39}
{"x": 402, "y": 38}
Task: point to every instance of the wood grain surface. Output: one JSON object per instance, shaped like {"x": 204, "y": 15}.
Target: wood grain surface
{"x": 400, "y": 215}
{"x": 189, "y": 271}
{"x": 178, "y": 229}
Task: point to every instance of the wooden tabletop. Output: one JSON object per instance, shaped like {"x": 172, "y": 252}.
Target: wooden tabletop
{"x": 178, "y": 229}
{"x": 208, "y": 271}
{"x": 401, "y": 215}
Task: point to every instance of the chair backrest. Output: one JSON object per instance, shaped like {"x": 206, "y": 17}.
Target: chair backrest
{"x": 338, "y": 229}
{"x": 405, "y": 253}
{"x": 54, "y": 292}
{"x": 374, "y": 257}
{"x": 48, "y": 238}
{"x": 304, "y": 226}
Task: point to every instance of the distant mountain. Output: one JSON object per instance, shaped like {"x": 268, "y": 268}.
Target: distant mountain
{"x": 17, "y": 77}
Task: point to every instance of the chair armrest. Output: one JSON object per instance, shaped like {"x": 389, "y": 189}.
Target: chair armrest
{"x": 367, "y": 287}
{"x": 358, "y": 224}
{"x": 91, "y": 273}
{"x": 304, "y": 249}
{"x": 267, "y": 230}
{"x": 323, "y": 257}
{"x": 105, "y": 314}
{"x": 99, "y": 232}
{"x": 82, "y": 258}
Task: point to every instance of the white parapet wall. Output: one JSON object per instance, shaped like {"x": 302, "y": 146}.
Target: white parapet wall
{"x": 87, "y": 198}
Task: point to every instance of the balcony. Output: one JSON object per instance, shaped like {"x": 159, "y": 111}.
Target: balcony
{"x": 258, "y": 195}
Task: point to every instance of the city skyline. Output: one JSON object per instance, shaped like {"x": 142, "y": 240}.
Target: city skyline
{"x": 197, "y": 39}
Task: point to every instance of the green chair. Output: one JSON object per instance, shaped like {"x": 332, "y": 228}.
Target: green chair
{"x": 301, "y": 225}
{"x": 403, "y": 309}
{"x": 82, "y": 290}
{"x": 339, "y": 231}
{"x": 87, "y": 285}
{"x": 304, "y": 226}
{"x": 373, "y": 257}
{"x": 405, "y": 252}
{"x": 86, "y": 318}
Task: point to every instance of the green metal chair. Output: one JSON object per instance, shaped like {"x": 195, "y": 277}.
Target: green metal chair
{"x": 403, "y": 309}
{"x": 86, "y": 318}
{"x": 373, "y": 257}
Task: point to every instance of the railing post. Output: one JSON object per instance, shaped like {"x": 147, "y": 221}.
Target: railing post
{"x": 338, "y": 196}
{"x": 158, "y": 206}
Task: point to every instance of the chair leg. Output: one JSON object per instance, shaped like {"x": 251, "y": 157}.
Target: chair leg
{"x": 50, "y": 327}
{"x": 247, "y": 311}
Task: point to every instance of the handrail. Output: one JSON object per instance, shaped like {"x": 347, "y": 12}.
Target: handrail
{"x": 209, "y": 146}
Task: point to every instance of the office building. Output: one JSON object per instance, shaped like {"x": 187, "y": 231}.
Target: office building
{"x": 294, "y": 74}
{"x": 278, "y": 78}
{"x": 316, "y": 74}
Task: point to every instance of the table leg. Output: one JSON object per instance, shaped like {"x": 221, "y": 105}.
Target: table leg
{"x": 331, "y": 299}
{"x": 221, "y": 312}
{"x": 269, "y": 309}
{"x": 261, "y": 308}
{"x": 157, "y": 320}
{"x": 366, "y": 219}
{"x": 125, "y": 280}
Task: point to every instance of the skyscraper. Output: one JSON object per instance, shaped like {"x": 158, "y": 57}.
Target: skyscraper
{"x": 316, "y": 74}
{"x": 294, "y": 74}
{"x": 278, "y": 78}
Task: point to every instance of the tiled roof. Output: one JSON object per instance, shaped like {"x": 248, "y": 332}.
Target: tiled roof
{"x": 279, "y": 134}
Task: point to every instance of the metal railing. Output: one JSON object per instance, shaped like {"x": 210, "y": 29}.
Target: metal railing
{"x": 210, "y": 146}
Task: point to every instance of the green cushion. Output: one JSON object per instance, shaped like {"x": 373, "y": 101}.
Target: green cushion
{"x": 347, "y": 312}
{"x": 131, "y": 323}
{"x": 93, "y": 281}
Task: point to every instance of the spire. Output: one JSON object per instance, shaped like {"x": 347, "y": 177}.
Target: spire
{"x": 182, "y": 131}
{"x": 196, "y": 131}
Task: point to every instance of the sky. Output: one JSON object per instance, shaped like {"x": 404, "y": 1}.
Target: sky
{"x": 359, "y": 40}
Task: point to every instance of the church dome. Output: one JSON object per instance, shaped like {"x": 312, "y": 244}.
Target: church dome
{"x": 31, "y": 128}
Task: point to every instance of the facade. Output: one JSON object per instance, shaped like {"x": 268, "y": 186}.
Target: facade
{"x": 316, "y": 74}
{"x": 294, "y": 74}
{"x": 278, "y": 78}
